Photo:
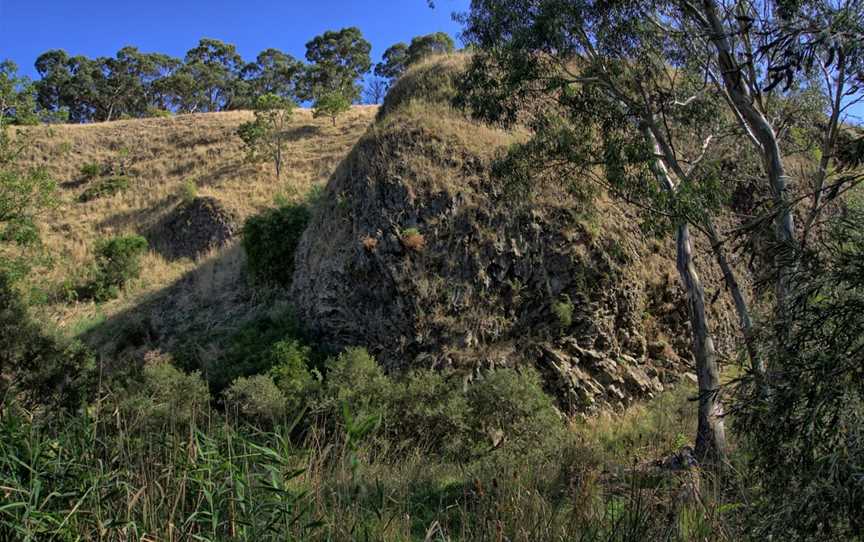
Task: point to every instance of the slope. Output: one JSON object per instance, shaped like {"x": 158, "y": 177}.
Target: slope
{"x": 172, "y": 165}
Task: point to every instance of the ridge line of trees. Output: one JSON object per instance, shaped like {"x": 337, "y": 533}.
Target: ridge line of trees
{"x": 212, "y": 76}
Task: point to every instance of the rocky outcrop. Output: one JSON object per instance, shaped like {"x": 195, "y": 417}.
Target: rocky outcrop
{"x": 420, "y": 254}
{"x": 192, "y": 229}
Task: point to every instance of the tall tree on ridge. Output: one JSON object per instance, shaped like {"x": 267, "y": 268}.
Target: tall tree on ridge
{"x": 338, "y": 60}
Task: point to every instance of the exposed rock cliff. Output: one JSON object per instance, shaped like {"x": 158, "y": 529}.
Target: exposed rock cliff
{"x": 418, "y": 253}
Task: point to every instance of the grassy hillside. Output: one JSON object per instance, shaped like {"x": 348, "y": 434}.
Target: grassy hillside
{"x": 229, "y": 423}
{"x": 165, "y": 161}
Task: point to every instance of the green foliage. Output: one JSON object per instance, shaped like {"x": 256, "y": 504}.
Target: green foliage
{"x": 168, "y": 397}
{"x": 394, "y": 62}
{"x": 62, "y": 482}
{"x": 428, "y": 411}
{"x": 17, "y": 96}
{"x": 400, "y": 56}
{"x": 189, "y": 191}
{"x": 438, "y": 412}
{"x": 24, "y": 193}
{"x": 355, "y": 379}
{"x": 106, "y": 472}
{"x": 91, "y": 170}
{"x": 39, "y": 368}
{"x": 103, "y": 88}
{"x": 258, "y": 347}
{"x": 563, "y": 311}
{"x": 338, "y": 61}
{"x": 511, "y": 405}
{"x": 256, "y": 399}
{"x": 211, "y": 77}
{"x": 806, "y": 436}
{"x": 270, "y": 240}
{"x": 117, "y": 263}
{"x": 331, "y": 105}
{"x": 265, "y": 136}
{"x": 291, "y": 371}
{"x": 104, "y": 187}
{"x": 273, "y": 72}
{"x": 215, "y": 67}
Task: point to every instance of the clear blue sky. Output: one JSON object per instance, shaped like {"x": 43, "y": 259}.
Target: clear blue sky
{"x": 101, "y": 27}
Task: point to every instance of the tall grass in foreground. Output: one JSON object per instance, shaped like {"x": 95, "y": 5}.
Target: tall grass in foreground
{"x": 110, "y": 475}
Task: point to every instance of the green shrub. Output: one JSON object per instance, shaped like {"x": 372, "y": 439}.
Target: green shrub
{"x": 105, "y": 187}
{"x": 189, "y": 191}
{"x": 291, "y": 371}
{"x": 40, "y": 368}
{"x": 805, "y": 437}
{"x": 355, "y": 379}
{"x": 91, "y": 170}
{"x": 168, "y": 396}
{"x": 257, "y": 399}
{"x": 254, "y": 349}
{"x": 118, "y": 261}
{"x": 428, "y": 410}
{"x": 431, "y": 411}
{"x": 158, "y": 112}
{"x": 510, "y": 407}
{"x": 270, "y": 240}
{"x": 563, "y": 311}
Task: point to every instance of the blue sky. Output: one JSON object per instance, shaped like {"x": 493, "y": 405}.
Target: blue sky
{"x": 101, "y": 27}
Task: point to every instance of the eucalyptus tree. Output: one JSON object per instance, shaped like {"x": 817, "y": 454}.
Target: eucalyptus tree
{"x": 209, "y": 78}
{"x": 594, "y": 82}
{"x": 273, "y": 72}
{"x": 756, "y": 52}
{"x": 671, "y": 87}
{"x": 399, "y": 57}
{"x": 394, "y": 61}
{"x": 337, "y": 62}
{"x": 17, "y": 96}
{"x": 25, "y": 192}
{"x": 265, "y": 136}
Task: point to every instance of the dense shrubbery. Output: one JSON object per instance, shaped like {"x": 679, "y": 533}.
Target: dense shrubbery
{"x": 806, "y": 436}
{"x": 270, "y": 240}
{"x": 258, "y": 347}
{"x": 38, "y": 367}
{"x": 118, "y": 261}
{"x": 167, "y": 396}
{"x": 130, "y": 468}
{"x": 104, "y": 187}
{"x": 440, "y": 413}
{"x": 256, "y": 399}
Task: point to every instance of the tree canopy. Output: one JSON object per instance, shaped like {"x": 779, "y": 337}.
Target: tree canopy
{"x": 338, "y": 60}
{"x": 400, "y": 56}
{"x": 133, "y": 84}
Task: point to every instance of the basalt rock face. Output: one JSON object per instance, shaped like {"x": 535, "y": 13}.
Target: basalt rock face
{"x": 418, "y": 253}
{"x": 193, "y": 228}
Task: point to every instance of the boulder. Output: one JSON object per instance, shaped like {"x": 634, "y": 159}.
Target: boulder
{"x": 192, "y": 229}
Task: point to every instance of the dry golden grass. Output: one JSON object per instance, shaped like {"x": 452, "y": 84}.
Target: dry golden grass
{"x": 163, "y": 156}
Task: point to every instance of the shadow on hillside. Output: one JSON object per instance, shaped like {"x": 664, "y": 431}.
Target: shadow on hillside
{"x": 188, "y": 318}
{"x": 301, "y": 132}
{"x": 74, "y": 183}
{"x": 143, "y": 218}
{"x": 231, "y": 170}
